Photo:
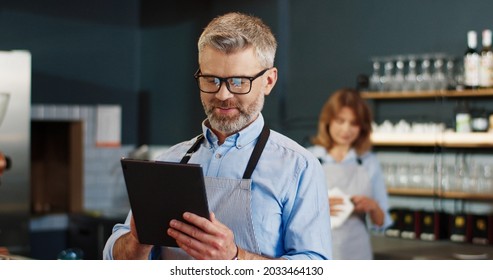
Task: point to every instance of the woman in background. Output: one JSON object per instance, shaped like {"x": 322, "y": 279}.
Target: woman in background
{"x": 343, "y": 145}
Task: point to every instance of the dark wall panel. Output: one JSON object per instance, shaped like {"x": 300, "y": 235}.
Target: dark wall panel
{"x": 332, "y": 42}
{"x": 96, "y": 52}
{"x": 83, "y": 52}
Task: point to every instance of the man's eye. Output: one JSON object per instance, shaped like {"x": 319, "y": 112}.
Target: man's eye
{"x": 212, "y": 80}
{"x": 236, "y": 82}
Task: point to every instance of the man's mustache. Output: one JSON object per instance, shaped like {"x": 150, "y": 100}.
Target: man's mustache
{"x": 224, "y": 104}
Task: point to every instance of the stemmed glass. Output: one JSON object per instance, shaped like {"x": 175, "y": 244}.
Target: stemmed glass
{"x": 375, "y": 78}
{"x": 398, "y": 79}
{"x": 438, "y": 81}
{"x": 424, "y": 77}
{"x": 388, "y": 77}
{"x": 410, "y": 78}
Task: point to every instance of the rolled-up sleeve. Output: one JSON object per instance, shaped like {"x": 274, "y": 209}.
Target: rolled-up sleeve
{"x": 118, "y": 231}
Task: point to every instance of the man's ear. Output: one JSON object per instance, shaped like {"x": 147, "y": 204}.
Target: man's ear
{"x": 271, "y": 80}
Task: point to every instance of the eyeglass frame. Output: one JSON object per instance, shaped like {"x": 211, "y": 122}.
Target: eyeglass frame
{"x": 197, "y": 75}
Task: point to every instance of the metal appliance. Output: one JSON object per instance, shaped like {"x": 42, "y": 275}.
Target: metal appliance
{"x": 15, "y": 172}
{"x": 5, "y": 161}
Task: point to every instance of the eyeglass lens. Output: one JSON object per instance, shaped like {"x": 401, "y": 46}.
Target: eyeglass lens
{"x": 234, "y": 85}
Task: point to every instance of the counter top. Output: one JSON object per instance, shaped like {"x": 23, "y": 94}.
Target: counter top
{"x": 390, "y": 248}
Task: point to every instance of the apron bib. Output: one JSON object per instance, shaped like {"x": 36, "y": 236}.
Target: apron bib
{"x": 226, "y": 196}
{"x": 351, "y": 240}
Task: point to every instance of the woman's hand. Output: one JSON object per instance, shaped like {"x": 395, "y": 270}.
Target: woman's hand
{"x": 333, "y": 203}
{"x": 363, "y": 204}
{"x": 366, "y": 205}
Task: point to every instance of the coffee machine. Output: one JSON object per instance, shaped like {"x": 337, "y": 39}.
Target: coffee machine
{"x": 15, "y": 147}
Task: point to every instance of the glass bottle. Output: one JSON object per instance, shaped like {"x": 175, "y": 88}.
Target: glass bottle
{"x": 486, "y": 61}
{"x": 471, "y": 62}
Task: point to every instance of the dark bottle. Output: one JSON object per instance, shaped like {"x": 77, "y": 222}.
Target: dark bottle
{"x": 471, "y": 62}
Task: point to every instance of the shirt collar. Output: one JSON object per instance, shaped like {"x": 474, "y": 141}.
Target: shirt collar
{"x": 239, "y": 139}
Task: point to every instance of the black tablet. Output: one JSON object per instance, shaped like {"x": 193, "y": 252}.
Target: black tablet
{"x": 161, "y": 191}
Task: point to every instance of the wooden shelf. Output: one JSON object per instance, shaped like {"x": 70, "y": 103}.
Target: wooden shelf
{"x": 426, "y": 94}
{"x": 440, "y": 139}
{"x": 445, "y": 139}
{"x": 439, "y": 193}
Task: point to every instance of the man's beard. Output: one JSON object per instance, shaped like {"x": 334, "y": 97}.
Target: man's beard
{"x": 232, "y": 124}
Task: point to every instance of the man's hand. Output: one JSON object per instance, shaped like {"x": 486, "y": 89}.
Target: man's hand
{"x": 203, "y": 239}
{"x": 128, "y": 246}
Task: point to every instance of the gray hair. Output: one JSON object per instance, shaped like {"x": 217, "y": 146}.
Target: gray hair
{"x": 233, "y": 32}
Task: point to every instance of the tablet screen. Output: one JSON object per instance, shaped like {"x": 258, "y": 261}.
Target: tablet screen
{"x": 161, "y": 191}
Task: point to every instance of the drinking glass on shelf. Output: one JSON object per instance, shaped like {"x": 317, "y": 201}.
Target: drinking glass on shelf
{"x": 402, "y": 175}
{"x": 376, "y": 78}
{"x": 398, "y": 78}
{"x": 450, "y": 73}
{"x": 429, "y": 175}
{"x": 464, "y": 167}
{"x": 389, "y": 174}
{"x": 459, "y": 74}
{"x": 448, "y": 182}
{"x": 485, "y": 180}
{"x": 416, "y": 175}
{"x": 387, "y": 78}
{"x": 410, "y": 79}
{"x": 471, "y": 177}
{"x": 438, "y": 79}
{"x": 424, "y": 77}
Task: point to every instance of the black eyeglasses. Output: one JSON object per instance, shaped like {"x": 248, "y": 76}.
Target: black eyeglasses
{"x": 235, "y": 85}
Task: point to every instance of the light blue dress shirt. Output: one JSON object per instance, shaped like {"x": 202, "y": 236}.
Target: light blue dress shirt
{"x": 290, "y": 210}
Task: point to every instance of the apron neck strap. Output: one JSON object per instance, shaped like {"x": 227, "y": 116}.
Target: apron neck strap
{"x": 257, "y": 151}
{"x": 193, "y": 149}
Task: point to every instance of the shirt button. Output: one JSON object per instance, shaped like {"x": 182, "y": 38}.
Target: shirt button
{"x": 218, "y": 155}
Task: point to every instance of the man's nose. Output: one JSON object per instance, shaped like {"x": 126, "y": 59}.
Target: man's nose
{"x": 223, "y": 92}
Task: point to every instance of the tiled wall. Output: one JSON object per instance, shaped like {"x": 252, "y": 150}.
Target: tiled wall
{"x": 104, "y": 186}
